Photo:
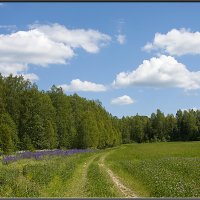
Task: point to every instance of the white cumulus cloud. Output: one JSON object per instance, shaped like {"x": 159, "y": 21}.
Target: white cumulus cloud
{"x": 163, "y": 71}
{"x": 123, "y": 100}
{"x": 121, "y": 39}
{"x": 176, "y": 42}
{"x": 86, "y": 86}
{"x": 90, "y": 40}
{"x": 43, "y": 45}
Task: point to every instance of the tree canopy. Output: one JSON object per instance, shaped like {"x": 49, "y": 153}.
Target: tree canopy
{"x": 31, "y": 119}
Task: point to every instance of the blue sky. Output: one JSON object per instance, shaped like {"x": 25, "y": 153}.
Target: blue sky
{"x": 98, "y": 50}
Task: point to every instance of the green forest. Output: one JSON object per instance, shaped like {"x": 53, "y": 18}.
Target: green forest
{"x": 31, "y": 119}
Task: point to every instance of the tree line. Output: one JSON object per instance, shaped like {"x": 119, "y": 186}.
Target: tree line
{"x": 184, "y": 126}
{"x": 31, "y": 119}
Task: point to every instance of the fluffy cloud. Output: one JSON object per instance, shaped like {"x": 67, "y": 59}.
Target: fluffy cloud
{"x": 43, "y": 45}
{"x": 176, "y": 42}
{"x": 86, "y": 86}
{"x": 89, "y": 40}
{"x": 121, "y": 39}
{"x": 164, "y": 71}
{"x": 123, "y": 100}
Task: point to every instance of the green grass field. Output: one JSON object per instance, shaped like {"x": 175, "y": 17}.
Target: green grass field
{"x": 145, "y": 170}
{"x": 159, "y": 169}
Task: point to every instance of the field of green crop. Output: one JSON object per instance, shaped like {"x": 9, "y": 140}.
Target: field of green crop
{"x": 159, "y": 169}
{"x": 147, "y": 170}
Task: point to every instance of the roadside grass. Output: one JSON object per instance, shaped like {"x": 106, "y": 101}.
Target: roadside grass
{"x": 39, "y": 178}
{"x": 159, "y": 169}
{"x": 99, "y": 183}
{"x": 77, "y": 184}
{"x": 149, "y": 170}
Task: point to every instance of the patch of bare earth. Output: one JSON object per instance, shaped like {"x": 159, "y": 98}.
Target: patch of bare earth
{"x": 127, "y": 192}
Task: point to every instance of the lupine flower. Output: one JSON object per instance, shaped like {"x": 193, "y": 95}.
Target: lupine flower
{"x": 41, "y": 153}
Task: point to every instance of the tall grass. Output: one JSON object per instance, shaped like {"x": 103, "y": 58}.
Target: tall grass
{"x": 39, "y": 178}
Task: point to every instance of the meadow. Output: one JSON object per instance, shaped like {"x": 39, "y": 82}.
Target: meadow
{"x": 166, "y": 169}
{"x": 159, "y": 169}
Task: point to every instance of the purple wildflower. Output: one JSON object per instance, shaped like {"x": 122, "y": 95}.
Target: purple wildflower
{"x": 41, "y": 153}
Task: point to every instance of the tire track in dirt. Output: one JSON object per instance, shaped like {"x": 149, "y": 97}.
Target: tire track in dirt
{"x": 127, "y": 192}
{"x": 85, "y": 170}
{"x": 77, "y": 186}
